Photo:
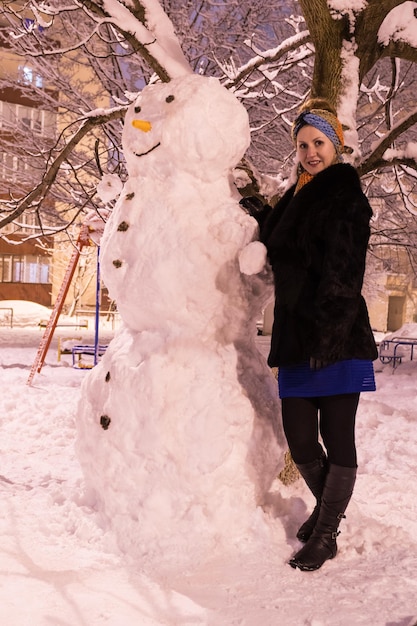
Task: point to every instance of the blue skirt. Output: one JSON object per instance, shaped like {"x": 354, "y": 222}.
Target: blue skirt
{"x": 350, "y": 376}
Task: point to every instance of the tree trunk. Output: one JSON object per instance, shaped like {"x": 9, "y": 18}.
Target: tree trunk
{"x": 327, "y": 35}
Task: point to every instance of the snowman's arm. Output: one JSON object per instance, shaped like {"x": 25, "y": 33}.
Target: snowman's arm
{"x": 253, "y": 258}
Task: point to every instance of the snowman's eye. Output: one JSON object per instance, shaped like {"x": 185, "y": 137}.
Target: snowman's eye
{"x": 169, "y": 98}
{"x": 138, "y": 109}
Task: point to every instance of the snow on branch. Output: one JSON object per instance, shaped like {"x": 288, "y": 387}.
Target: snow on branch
{"x": 156, "y": 33}
{"x": 400, "y": 25}
{"x": 260, "y": 60}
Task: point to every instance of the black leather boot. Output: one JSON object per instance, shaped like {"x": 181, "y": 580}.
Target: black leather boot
{"x": 336, "y": 495}
{"x": 314, "y": 474}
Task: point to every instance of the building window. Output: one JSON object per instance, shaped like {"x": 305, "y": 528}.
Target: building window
{"x": 19, "y": 268}
{"x": 28, "y": 76}
{"x": 5, "y": 269}
{"x": 14, "y": 115}
{"x": 15, "y": 169}
{"x": 25, "y": 224}
{"x": 17, "y": 274}
{"x": 8, "y": 166}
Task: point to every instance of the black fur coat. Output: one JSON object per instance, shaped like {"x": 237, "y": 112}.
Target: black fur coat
{"x": 317, "y": 242}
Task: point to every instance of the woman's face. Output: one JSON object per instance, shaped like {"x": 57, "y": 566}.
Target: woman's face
{"x": 315, "y": 151}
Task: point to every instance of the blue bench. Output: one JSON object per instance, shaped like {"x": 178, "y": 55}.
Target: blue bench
{"x": 392, "y": 350}
{"x": 85, "y": 349}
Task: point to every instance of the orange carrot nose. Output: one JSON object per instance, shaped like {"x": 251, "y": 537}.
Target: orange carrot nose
{"x": 142, "y": 125}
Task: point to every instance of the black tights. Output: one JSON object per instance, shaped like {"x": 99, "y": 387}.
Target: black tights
{"x": 337, "y": 428}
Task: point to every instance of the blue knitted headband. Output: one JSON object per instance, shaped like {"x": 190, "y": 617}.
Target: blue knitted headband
{"x": 330, "y": 127}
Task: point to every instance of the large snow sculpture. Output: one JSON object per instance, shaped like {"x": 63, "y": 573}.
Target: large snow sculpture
{"x": 177, "y": 425}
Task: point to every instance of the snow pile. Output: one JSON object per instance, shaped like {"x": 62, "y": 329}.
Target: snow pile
{"x": 24, "y": 312}
{"x": 407, "y": 330}
{"x": 178, "y": 423}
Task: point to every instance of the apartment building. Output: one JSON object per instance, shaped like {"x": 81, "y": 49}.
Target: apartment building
{"x": 25, "y": 259}
{"x": 32, "y": 264}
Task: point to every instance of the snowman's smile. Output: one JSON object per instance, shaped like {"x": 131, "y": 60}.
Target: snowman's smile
{"x": 139, "y": 154}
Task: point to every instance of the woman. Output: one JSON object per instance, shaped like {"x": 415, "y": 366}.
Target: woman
{"x": 322, "y": 342}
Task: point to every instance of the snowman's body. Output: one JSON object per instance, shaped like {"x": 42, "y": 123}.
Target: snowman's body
{"x": 188, "y": 396}
{"x": 162, "y": 260}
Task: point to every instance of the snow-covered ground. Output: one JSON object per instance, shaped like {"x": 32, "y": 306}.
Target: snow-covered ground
{"x": 60, "y": 565}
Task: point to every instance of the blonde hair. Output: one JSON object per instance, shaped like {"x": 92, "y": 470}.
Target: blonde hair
{"x": 317, "y": 103}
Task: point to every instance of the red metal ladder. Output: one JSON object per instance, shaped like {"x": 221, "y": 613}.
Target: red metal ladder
{"x": 83, "y": 240}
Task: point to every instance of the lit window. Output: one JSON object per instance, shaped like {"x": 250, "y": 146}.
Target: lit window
{"x": 17, "y": 269}
{"x": 24, "y": 269}
{"x": 6, "y": 269}
{"x": 29, "y": 77}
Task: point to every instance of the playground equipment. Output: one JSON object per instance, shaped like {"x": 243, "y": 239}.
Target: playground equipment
{"x": 82, "y": 241}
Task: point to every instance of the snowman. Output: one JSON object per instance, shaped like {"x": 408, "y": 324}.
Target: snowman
{"x": 178, "y": 432}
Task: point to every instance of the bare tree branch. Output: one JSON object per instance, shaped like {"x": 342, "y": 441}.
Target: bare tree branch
{"x": 35, "y": 197}
{"x": 375, "y": 159}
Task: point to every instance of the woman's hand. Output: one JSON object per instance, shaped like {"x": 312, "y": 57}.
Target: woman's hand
{"x": 252, "y": 205}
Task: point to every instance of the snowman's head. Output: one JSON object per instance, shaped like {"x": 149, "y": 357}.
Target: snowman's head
{"x": 190, "y": 124}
